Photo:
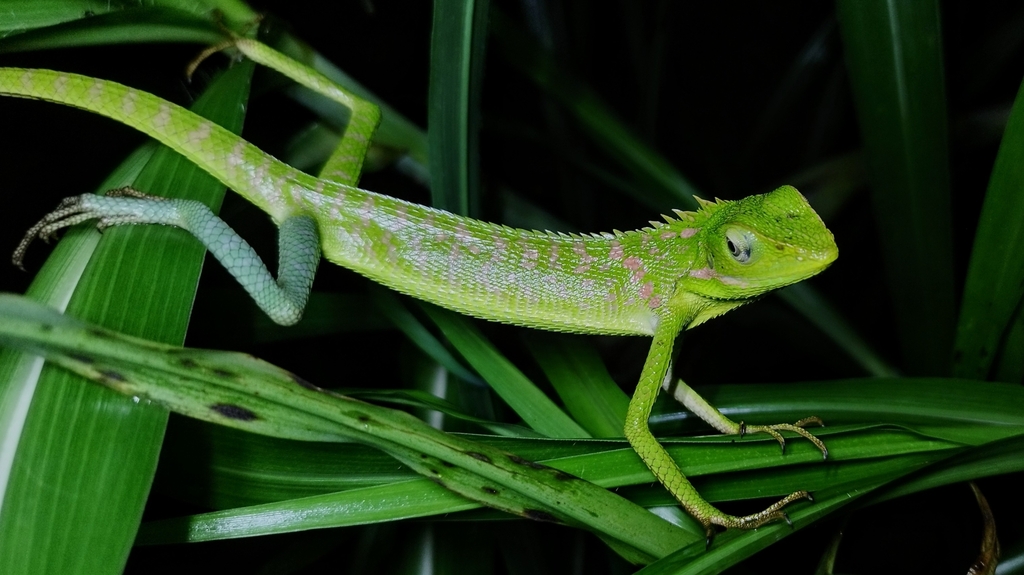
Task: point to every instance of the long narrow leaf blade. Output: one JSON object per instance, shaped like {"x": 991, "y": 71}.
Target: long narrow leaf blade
{"x": 995, "y": 278}
{"x": 86, "y": 457}
{"x": 895, "y": 65}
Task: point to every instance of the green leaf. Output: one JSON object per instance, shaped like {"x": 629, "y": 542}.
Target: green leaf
{"x": 582, "y": 382}
{"x": 457, "y": 55}
{"x": 529, "y": 402}
{"x": 96, "y": 449}
{"x": 240, "y": 391}
{"x": 995, "y": 277}
{"x": 894, "y": 57}
{"x": 117, "y": 26}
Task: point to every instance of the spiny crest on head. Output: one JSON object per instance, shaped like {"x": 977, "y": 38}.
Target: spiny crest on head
{"x": 684, "y": 216}
{"x": 709, "y": 207}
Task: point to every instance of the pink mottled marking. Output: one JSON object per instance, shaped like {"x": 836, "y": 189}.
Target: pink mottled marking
{"x": 453, "y": 256}
{"x": 260, "y": 174}
{"x": 646, "y": 290}
{"x": 582, "y": 268}
{"x": 235, "y": 158}
{"x": 530, "y": 258}
{"x": 60, "y": 84}
{"x": 553, "y": 258}
{"x": 655, "y": 302}
{"x": 729, "y": 280}
{"x": 667, "y": 235}
{"x": 500, "y": 245}
{"x": 616, "y": 252}
{"x": 162, "y": 117}
{"x": 201, "y": 133}
{"x": 128, "y": 102}
{"x": 687, "y": 233}
{"x": 96, "y": 90}
{"x": 366, "y": 211}
{"x": 703, "y": 273}
{"x": 632, "y": 262}
{"x": 580, "y": 249}
{"x": 392, "y": 254}
{"x": 299, "y": 197}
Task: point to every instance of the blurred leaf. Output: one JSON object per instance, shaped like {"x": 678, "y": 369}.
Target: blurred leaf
{"x": 816, "y": 310}
{"x": 668, "y": 189}
{"x": 995, "y": 278}
{"x": 894, "y": 57}
{"x": 118, "y": 26}
{"x": 456, "y": 69}
{"x": 529, "y": 402}
{"x": 391, "y": 306}
{"x": 582, "y": 382}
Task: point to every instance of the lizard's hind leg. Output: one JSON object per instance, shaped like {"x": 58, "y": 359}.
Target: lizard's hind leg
{"x": 282, "y": 299}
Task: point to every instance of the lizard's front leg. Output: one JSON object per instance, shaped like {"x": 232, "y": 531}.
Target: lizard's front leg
{"x": 665, "y": 469}
{"x": 282, "y": 299}
{"x": 701, "y": 408}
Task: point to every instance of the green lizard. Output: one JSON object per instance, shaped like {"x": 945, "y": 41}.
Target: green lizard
{"x": 655, "y": 281}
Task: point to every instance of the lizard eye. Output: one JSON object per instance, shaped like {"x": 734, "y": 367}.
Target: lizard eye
{"x": 739, "y": 245}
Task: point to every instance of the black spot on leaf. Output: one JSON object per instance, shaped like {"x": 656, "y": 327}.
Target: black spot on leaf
{"x": 232, "y": 411}
{"x": 526, "y": 462}
{"x": 479, "y": 456}
{"x": 538, "y": 515}
{"x": 111, "y": 375}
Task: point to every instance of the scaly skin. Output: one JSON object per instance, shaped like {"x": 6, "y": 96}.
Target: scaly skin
{"x": 655, "y": 281}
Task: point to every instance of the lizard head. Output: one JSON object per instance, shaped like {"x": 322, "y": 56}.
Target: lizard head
{"x": 751, "y": 246}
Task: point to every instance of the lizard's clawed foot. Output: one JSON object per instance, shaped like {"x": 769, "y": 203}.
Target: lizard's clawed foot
{"x": 772, "y": 513}
{"x": 797, "y": 428}
{"x": 75, "y": 210}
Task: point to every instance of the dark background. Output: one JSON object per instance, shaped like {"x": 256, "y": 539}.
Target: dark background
{"x": 709, "y": 85}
